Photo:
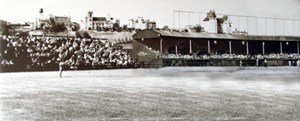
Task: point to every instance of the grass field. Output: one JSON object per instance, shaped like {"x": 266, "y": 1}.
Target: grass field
{"x": 179, "y": 93}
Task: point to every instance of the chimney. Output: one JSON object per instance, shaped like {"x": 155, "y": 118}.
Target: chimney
{"x": 90, "y": 14}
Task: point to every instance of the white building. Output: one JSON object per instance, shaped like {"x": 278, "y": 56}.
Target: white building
{"x": 211, "y": 26}
{"x": 210, "y": 23}
{"x": 95, "y": 23}
{"x": 141, "y": 23}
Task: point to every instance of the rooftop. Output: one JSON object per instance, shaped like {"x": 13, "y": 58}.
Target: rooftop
{"x": 99, "y": 19}
{"x": 193, "y": 35}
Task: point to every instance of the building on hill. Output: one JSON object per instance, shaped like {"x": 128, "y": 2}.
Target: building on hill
{"x": 21, "y": 27}
{"x": 48, "y": 23}
{"x": 41, "y": 22}
{"x": 141, "y": 23}
{"x": 62, "y": 20}
{"x": 151, "y": 25}
{"x": 98, "y": 23}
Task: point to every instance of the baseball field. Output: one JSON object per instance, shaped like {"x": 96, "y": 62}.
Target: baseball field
{"x": 170, "y": 93}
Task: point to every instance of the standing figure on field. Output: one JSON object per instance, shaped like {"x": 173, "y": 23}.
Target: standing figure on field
{"x": 241, "y": 63}
{"x": 61, "y": 58}
{"x": 265, "y": 63}
{"x": 61, "y": 64}
{"x": 257, "y": 62}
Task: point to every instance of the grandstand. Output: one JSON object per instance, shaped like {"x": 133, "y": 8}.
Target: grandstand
{"x": 190, "y": 48}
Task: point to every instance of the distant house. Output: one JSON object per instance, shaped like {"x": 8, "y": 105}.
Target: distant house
{"x": 47, "y": 23}
{"x": 42, "y": 23}
{"x": 150, "y": 25}
{"x": 75, "y": 26}
{"x": 98, "y": 23}
{"x": 27, "y": 26}
{"x": 19, "y": 26}
{"x": 62, "y": 19}
{"x": 141, "y": 23}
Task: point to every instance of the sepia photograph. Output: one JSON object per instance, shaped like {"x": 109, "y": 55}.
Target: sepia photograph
{"x": 149, "y": 60}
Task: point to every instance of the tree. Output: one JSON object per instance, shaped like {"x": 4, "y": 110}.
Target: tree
{"x": 198, "y": 28}
{"x": 57, "y": 27}
{"x": 98, "y": 28}
{"x": 116, "y": 26}
{"x": 125, "y": 28}
{"x": 166, "y": 28}
{"x": 86, "y": 35}
{"x": 4, "y": 28}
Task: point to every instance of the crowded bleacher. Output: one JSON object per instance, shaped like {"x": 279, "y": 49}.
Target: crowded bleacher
{"x": 44, "y": 53}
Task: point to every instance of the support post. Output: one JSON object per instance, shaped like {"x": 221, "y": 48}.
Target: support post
{"x": 263, "y": 48}
{"x": 179, "y": 20}
{"x": 256, "y": 26}
{"x": 208, "y": 47}
{"x": 173, "y": 19}
{"x": 239, "y": 23}
{"x": 298, "y": 48}
{"x": 283, "y": 33}
{"x": 247, "y": 48}
{"x": 230, "y": 52}
{"x": 160, "y": 45}
{"x": 293, "y": 28}
{"x": 248, "y": 30}
{"x": 176, "y": 50}
{"x": 266, "y": 26}
{"x": 275, "y": 26}
{"x": 189, "y": 18}
{"x": 280, "y": 47}
{"x": 199, "y": 18}
{"x": 191, "y": 50}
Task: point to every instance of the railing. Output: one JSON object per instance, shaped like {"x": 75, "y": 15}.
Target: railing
{"x": 252, "y": 25}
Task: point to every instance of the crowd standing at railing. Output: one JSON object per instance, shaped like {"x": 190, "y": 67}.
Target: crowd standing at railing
{"x": 233, "y": 56}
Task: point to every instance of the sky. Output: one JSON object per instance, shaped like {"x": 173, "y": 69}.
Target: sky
{"x": 159, "y": 10}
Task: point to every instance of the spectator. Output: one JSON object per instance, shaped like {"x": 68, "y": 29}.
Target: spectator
{"x": 265, "y": 63}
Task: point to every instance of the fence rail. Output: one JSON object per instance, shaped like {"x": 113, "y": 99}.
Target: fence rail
{"x": 253, "y": 25}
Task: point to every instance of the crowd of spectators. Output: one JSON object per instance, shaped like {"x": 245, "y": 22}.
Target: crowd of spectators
{"x": 44, "y": 53}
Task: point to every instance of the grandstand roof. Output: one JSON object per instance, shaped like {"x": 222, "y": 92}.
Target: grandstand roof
{"x": 192, "y": 35}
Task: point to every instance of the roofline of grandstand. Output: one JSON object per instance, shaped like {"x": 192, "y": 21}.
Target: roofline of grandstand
{"x": 149, "y": 33}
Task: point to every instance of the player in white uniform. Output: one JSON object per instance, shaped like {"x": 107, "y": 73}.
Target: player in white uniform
{"x": 61, "y": 64}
